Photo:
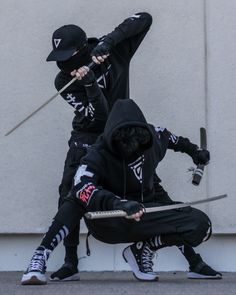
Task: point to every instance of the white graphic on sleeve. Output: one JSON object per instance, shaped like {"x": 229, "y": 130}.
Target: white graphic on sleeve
{"x": 82, "y": 172}
{"x": 57, "y": 42}
{"x": 135, "y": 16}
{"x": 159, "y": 129}
{"x": 89, "y": 110}
{"x": 174, "y": 138}
{"x": 72, "y": 100}
{"x": 137, "y": 167}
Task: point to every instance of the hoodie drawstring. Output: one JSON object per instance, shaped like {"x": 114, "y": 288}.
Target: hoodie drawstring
{"x": 124, "y": 172}
{"x": 142, "y": 180}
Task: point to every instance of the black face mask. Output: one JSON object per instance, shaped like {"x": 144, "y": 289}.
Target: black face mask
{"x": 78, "y": 60}
{"x": 131, "y": 141}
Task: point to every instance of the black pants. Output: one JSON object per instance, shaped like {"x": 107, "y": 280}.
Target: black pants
{"x": 190, "y": 224}
{"x": 78, "y": 144}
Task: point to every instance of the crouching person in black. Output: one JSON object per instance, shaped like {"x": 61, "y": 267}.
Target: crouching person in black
{"x": 117, "y": 173}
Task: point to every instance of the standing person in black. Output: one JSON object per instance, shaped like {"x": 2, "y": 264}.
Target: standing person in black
{"x": 117, "y": 174}
{"x": 92, "y": 96}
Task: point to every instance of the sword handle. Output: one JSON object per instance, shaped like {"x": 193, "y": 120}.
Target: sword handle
{"x": 105, "y": 214}
{"x": 197, "y": 175}
{"x": 91, "y": 65}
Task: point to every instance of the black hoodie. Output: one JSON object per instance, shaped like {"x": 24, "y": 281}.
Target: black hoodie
{"x": 112, "y": 75}
{"x": 104, "y": 175}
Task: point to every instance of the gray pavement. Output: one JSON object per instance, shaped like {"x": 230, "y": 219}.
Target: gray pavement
{"x": 121, "y": 283}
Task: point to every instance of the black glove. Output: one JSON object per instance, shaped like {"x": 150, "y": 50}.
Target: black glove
{"x": 88, "y": 79}
{"x": 130, "y": 207}
{"x": 201, "y": 157}
{"x": 103, "y": 48}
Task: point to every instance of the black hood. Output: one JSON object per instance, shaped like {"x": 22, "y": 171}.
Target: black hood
{"x": 125, "y": 112}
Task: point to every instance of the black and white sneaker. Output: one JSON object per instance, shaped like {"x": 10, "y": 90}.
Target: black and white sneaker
{"x": 68, "y": 272}
{"x": 203, "y": 271}
{"x": 139, "y": 256}
{"x": 35, "y": 273}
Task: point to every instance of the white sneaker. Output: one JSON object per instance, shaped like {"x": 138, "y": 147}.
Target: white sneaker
{"x": 35, "y": 273}
{"x": 139, "y": 256}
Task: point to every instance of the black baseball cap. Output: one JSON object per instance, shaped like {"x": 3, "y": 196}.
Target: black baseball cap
{"x": 65, "y": 41}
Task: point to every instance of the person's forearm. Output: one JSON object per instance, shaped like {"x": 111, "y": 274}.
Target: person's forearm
{"x": 183, "y": 145}
{"x": 98, "y": 101}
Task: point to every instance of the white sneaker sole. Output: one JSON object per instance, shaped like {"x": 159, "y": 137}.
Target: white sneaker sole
{"x": 194, "y": 275}
{"x": 130, "y": 259}
{"x": 33, "y": 278}
{"x": 74, "y": 277}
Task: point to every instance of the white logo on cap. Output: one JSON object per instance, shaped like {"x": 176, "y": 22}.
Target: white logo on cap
{"x": 57, "y": 42}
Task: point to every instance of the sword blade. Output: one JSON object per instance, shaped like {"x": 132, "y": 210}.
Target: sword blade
{"x": 41, "y": 107}
{"x": 120, "y": 213}
{"x": 182, "y": 205}
{"x": 91, "y": 66}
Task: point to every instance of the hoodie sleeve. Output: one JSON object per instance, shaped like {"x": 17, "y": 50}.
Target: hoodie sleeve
{"x": 88, "y": 101}
{"x": 176, "y": 143}
{"x": 127, "y": 36}
{"x": 87, "y": 185}
{"x": 181, "y": 144}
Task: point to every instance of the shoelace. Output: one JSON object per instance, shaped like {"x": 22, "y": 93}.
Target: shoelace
{"x": 147, "y": 257}
{"x": 38, "y": 260}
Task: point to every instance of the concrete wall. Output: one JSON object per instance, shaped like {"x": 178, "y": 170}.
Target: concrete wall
{"x": 183, "y": 77}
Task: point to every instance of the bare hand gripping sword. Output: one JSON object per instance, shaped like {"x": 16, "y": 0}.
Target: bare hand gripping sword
{"x": 120, "y": 213}
{"x": 90, "y": 66}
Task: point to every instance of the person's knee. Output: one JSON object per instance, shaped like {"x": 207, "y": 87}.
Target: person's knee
{"x": 65, "y": 188}
{"x": 70, "y": 213}
{"x": 63, "y": 197}
{"x": 200, "y": 229}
